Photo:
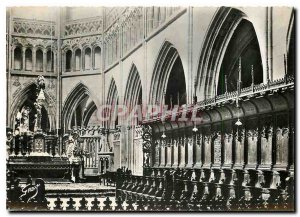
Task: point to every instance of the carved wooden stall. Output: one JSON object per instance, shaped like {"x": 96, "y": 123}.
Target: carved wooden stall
{"x": 240, "y": 156}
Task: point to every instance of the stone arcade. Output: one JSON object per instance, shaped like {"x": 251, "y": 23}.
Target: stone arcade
{"x": 159, "y": 108}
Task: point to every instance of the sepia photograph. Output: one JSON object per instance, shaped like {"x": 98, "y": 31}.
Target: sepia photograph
{"x": 150, "y": 109}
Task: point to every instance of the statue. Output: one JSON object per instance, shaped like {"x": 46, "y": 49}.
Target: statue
{"x": 24, "y": 123}
{"x": 38, "y": 117}
{"x": 41, "y": 82}
{"x": 9, "y": 140}
{"x": 75, "y": 153}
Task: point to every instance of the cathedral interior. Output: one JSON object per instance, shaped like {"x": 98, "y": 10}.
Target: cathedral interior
{"x": 167, "y": 108}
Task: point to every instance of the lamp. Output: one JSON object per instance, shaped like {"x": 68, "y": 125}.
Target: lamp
{"x": 238, "y": 123}
{"x": 195, "y": 129}
{"x": 163, "y": 135}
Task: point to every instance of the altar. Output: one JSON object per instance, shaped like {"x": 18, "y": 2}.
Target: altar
{"x": 31, "y": 150}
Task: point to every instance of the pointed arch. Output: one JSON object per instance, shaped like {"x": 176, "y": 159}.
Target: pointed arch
{"x": 290, "y": 40}
{"x": 133, "y": 91}
{"x": 217, "y": 39}
{"x": 112, "y": 100}
{"x": 89, "y": 110}
{"x": 78, "y": 103}
{"x": 165, "y": 61}
{"x": 24, "y": 95}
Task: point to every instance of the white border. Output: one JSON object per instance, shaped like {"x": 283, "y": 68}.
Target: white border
{"x": 6, "y": 3}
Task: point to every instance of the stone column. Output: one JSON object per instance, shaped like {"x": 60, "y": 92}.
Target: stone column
{"x": 23, "y": 60}
{"x": 45, "y": 61}
{"x": 34, "y": 59}
{"x": 13, "y": 57}
{"x": 72, "y": 62}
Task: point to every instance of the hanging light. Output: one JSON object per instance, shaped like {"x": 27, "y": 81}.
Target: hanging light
{"x": 238, "y": 123}
{"x": 195, "y": 129}
{"x": 163, "y": 135}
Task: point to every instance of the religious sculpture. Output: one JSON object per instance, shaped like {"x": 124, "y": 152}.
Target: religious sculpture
{"x": 75, "y": 153}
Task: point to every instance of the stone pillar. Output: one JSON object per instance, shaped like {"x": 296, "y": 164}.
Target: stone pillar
{"x": 13, "y": 57}
{"x": 23, "y": 58}
{"x": 72, "y": 62}
{"x": 34, "y": 59}
{"x": 45, "y": 61}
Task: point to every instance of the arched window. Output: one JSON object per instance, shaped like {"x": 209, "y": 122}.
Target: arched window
{"x": 68, "y": 61}
{"x": 39, "y": 61}
{"x": 50, "y": 61}
{"x": 87, "y": 59}
{"x": 77, "y": 60}
{"x": 17, "y": 58}
{"x": 97, "y": 58}
{"x": 28, "y": 59}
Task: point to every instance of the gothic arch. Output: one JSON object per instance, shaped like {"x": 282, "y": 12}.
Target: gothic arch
{"x": 112, "y": 100}
{"x": 90, "y": 109}
{"x": 133, "y": 88}
{"x": 20, "y": 98}
{"x": 217, "y": 39}
{"x": 290, "y": 43}
{"x": 79, "y": 96}
{"x": 163, "y": 66}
